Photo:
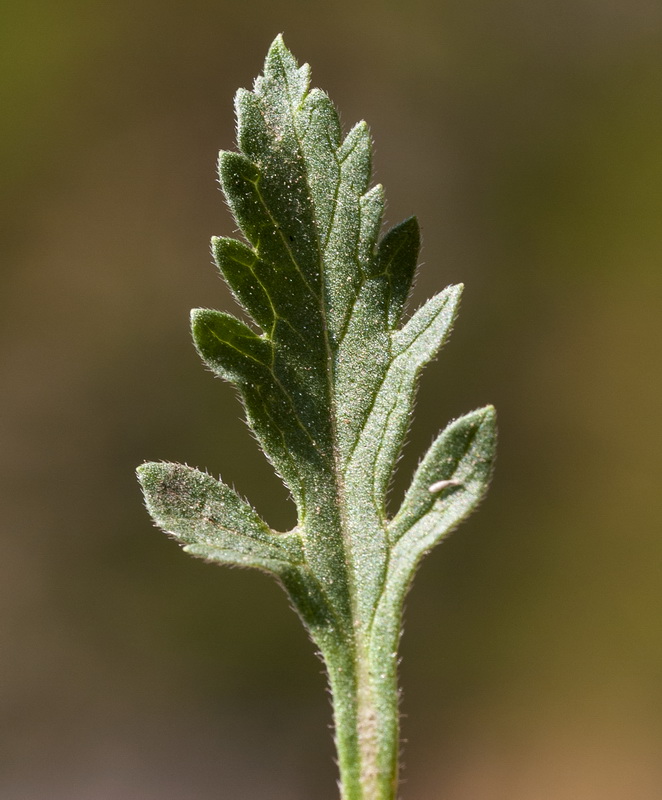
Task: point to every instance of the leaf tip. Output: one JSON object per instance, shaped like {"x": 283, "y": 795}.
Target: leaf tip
{"x": 486, "y": 415}
{"x": 456, "y": 290}
{"x": 279, "y": 54}
{"x": 198, "y": 316}
{"x": 149, "y": 473}
{"x": 199, "y": 322}
{"x": 484, "y": 422}
{"x": 409, "y": 228}
{"x": 155, "y": 477}
{"x": 279, "y": 41}
{"x": 276, "y": 48}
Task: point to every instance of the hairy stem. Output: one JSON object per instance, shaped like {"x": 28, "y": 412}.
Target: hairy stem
{"x": 365, "y": 702}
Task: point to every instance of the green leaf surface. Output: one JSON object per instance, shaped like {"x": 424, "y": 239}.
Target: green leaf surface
{"x": 327, "y": 372}
{"x": 212, "y": 521}
{"x": 450, "y": 481}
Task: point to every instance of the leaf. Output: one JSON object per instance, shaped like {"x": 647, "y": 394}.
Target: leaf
{"x": 328, "y": 376}
{"x": 379, "y": 441}
{"x": 211, "y": 521}
{"x": 327, "y": 373}
{"x": 449, "y": 482}
{"x": 397, "y": 259}
{"x": 229, "y": 347}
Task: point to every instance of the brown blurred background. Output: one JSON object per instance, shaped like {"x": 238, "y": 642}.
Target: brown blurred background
{"x": 527, "y": 136}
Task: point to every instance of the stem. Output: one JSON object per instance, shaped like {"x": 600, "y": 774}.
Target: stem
{"x": 365, "y": 704}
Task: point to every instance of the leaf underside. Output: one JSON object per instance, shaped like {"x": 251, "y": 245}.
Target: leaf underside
{"x": 328, "y": 370}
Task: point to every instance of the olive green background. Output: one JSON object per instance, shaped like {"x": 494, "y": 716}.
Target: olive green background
{"x": 527, "y": 136}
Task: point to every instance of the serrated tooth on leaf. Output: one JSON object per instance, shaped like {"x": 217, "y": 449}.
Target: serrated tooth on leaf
{"x": 228, "y": 346}
{"x": 371, "y": 207}
{"x": 281, "y": 69}
{"x": 396, "y": 261}
{"x": 430, "y": 326}
{"x": 355, "y": 156}
{"x": 237, "y": 263}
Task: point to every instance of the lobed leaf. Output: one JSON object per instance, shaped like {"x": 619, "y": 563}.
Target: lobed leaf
{"x": 327, "y": 375}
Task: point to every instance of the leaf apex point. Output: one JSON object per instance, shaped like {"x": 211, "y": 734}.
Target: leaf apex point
{"x": 278, "y": 44}
{"x": 490, "y": 413}
{"x": 479, "y": 416}
{"x": 147, "y": 466}
{"x": 150, "y": 474}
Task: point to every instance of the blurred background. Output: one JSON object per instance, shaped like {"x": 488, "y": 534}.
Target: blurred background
{"x": 527, "y": 136}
